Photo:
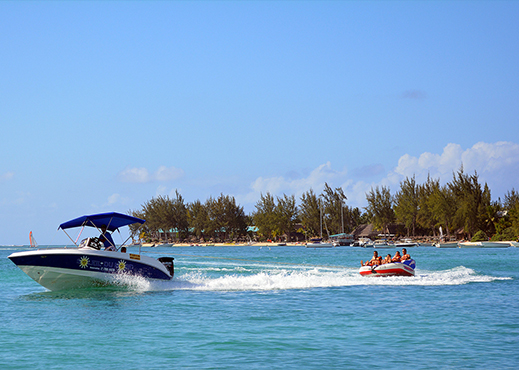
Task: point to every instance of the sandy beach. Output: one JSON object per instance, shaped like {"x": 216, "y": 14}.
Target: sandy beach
{"x": 259, "y": 244}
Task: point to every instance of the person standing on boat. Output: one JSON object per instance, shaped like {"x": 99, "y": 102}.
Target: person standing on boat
{"x": 106, "y": 239}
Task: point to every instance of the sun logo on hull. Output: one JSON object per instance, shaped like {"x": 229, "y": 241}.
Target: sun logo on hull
{"x": 83, "y": 262}
{"x": 121, "y": 265}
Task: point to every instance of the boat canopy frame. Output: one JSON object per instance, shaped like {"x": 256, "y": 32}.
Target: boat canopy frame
{"x": 111, "y": 220}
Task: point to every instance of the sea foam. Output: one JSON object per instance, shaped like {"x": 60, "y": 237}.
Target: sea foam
{"x": 297, "y": 278}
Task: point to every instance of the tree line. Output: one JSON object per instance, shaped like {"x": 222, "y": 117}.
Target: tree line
{"x": 463, "y": 205}
{"x": 218, "y": 219}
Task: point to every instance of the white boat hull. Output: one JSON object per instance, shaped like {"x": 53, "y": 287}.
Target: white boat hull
{"x": 58, "y": 269}
{"x": 484, "y": 245}
{"x": 406, "y": 245}
{"x": 447, "y": 245}
{"x": 383, "y": 246}
{"x": 319, "y": 245}
{"x": 60, "y": 279}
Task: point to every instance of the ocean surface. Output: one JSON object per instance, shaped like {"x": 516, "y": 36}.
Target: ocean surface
{"x": 272, "y": 308}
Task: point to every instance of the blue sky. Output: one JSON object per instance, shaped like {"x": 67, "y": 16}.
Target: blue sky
{"x": 104, "y": 105}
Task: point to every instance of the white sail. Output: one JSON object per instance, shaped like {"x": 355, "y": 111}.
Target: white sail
{"x": 32, "y": 241}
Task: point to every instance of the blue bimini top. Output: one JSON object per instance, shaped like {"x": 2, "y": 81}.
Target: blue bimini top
{"x": 111, "y": 220}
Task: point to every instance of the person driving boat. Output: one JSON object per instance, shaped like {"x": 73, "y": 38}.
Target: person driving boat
{"x": 106, "y": 239}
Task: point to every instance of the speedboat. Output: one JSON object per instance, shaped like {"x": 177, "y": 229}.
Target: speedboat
{"x": 366, "y": 243}
{"x": 383, "y": 244}
{"x": 484, "y": 245}
{"x": 447, "y": 245}
{"x": 318, "y": 243}
{"x": 343, "y": 239}
{"x": 88, "y": 264}
{"x": 405, "y": 268}
{"x": 406, "y": 243}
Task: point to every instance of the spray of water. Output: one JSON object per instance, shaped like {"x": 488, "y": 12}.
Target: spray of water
{"x": 240, "y": 278}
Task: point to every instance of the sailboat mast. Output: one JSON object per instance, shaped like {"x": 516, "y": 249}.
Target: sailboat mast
{"x": 321, "y": 217}
{"x": 342, "y": 217}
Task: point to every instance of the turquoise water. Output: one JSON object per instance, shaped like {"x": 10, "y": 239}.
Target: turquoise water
{"x": 272, "y": 308}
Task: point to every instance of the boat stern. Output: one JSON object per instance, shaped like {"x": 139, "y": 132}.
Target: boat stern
{"x": 168, "y": 264}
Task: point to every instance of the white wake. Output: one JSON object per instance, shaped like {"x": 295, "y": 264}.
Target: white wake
{"x": 241, "y": 278}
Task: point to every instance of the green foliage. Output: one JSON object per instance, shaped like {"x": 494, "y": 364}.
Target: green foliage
{"x": 505, "y": 235}
{"x": 407, "y": 204}
{"x": 276, "y": 217}
{"x": 470, "y": 201}
{"x": 380, "y": 206}
{"x": 335, "y": 211}
{"x": 432, "y": 206}
{"x": 511, "y": 205}
{"x": 309, "y": 213}
{"x": 286, "y": 214}
{"x": 443, "y": 207}
{"x": 168, "y": 215}
{"x": 136, "y": 229}
{"x": 226, "y": 218}
{"x": 198, "y": 218}
{"x": 479, "y": 236}
{"x": 463, "y": 205}
{"x": 219, "y": 218}
{"x": 265, "y": 216}
{"x": 356, "y": 218}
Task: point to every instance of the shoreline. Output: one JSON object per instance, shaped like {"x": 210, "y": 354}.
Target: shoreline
{"x": 259, "y": 244}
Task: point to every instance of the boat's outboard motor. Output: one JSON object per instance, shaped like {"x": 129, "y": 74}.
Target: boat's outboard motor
{"x": 168, "y": 263}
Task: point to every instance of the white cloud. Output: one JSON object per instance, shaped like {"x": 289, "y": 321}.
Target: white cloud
{"x": 6, "y": 176}
{"x": 113, "y": 202}
{"x": 496, "y": 164}
{"x": 139, "y": 175}
{"x": 485, "y": 158}
{"x": 163, "y": 191}
{"x": 142, "y": 175}
{"x": 278, "y": 185}
{"x": 168, "y": 173}
{"x": 356, "y": 193}
{"x": 114, "y": 198}
{"x": 437, "y": 165}
{"x": 18, "y": 198}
